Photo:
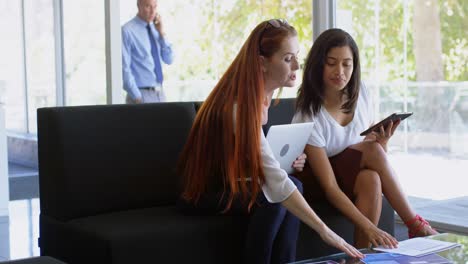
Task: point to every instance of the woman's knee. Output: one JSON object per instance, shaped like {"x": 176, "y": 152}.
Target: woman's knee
{"x": 298, "y": 183}
{"x": 368, "y": 182}
{"x": 374, "y": 148}
{"x": 370, "y": 148}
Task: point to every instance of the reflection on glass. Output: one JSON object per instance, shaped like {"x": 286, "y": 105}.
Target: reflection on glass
{"x": 459, "y": 254}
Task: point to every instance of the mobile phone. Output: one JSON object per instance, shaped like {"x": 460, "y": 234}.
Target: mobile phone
{"x": 393, "y": 117}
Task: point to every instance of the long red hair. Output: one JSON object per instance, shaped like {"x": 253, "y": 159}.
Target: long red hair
{"x": 218, "y": 145}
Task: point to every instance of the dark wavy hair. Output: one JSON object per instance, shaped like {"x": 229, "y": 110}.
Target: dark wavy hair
{"x": 311, "y": 93}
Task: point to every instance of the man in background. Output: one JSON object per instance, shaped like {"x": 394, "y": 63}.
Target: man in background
{"x": 144, "y": 48}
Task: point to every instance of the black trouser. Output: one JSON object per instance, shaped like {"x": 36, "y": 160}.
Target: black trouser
{"x": 272, "y": 232}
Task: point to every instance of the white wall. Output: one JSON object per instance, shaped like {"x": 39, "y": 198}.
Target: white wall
{"x": 4, "y": 193}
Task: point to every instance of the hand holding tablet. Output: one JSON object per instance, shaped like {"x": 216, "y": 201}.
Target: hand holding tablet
{"x": 393, "y": 117}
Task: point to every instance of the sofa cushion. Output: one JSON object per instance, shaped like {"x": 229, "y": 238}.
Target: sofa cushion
{"x": 164, "y": 235}
{"x": 97, "y": 159}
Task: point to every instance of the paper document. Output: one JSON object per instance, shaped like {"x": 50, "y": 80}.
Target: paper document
{"x": 390, "y": 258}
{"x": 419, "y": 246}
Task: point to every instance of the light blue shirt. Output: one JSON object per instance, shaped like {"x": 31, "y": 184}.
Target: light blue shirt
{"x": 138, "y": 65}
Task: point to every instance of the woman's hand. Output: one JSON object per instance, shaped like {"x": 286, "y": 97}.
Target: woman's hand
{"x": 299, "y": 163}
{"x": 384, "y": 135}
{"x": 379, "y": 237}
{"x": 332, "y": 239}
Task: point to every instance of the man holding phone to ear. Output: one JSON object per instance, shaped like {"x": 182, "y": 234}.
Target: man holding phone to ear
{"x": 144, "y": 49}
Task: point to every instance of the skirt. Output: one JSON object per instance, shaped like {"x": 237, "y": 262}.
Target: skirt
{"x": 346, "y": 167}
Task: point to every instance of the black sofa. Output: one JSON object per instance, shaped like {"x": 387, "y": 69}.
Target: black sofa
{"x": 108, "y": 189}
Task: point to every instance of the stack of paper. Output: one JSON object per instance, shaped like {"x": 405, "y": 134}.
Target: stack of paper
{"x": 419, "y": 246}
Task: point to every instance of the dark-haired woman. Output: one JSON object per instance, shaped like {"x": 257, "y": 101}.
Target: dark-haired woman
{"x": 352, "y": 171}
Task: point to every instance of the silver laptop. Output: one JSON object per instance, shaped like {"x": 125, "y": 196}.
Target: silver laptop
{"x": 288, "y": 142}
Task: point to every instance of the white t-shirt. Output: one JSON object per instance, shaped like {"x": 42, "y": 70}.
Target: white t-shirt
{"x": 335, "y": 138}
{"x": 278, "y": 186}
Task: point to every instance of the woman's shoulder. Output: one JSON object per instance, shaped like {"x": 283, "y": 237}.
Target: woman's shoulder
{"x": 300, "y": 117}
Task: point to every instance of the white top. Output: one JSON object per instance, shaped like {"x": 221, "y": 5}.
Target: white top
{"x": 278, "y": 186}
{"x": 335, "y": 138}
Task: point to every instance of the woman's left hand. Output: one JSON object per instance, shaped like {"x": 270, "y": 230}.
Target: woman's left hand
{"x": 384, "y": 135}
{"x": 299, "y": 163}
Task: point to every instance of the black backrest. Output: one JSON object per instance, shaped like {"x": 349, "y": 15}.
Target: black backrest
{"x": 96, "y": 159}
{"x": 281, "y": 113}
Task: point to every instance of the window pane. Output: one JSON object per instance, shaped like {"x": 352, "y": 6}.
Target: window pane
{"x": 84, "y": 41}
{"x": 11, "y": 66}
{"x": 40, "y": 57}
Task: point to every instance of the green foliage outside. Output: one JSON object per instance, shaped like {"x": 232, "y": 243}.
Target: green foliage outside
{"x": 225, "y": 24}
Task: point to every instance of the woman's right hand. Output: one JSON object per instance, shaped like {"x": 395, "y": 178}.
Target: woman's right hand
{"x": 379, "y": 237}
{"x": 332, "y": 239}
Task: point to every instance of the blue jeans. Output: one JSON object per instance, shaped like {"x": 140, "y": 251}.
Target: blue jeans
{"x": 272, "y": 232}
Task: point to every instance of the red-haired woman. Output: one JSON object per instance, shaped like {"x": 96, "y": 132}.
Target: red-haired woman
{"x": 227, "y": 163}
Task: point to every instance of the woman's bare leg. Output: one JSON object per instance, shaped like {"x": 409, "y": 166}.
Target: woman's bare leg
{"x": 368, "y": 199}
{"x": 374, "y": 158}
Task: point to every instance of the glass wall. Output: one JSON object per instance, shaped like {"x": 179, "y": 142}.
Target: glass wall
{"x": 12, "y": 91}
{"x": 40, "y": 57}
{"x": 207, "y": 35}
{"x": 28, "y": 66}
{"x": 414, "y": 59}
{"x": 84, "y": 48}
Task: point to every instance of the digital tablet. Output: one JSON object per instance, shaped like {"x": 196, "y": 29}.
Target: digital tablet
{"x": 393, "y": 117}
{"x": 288, "y": 142}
